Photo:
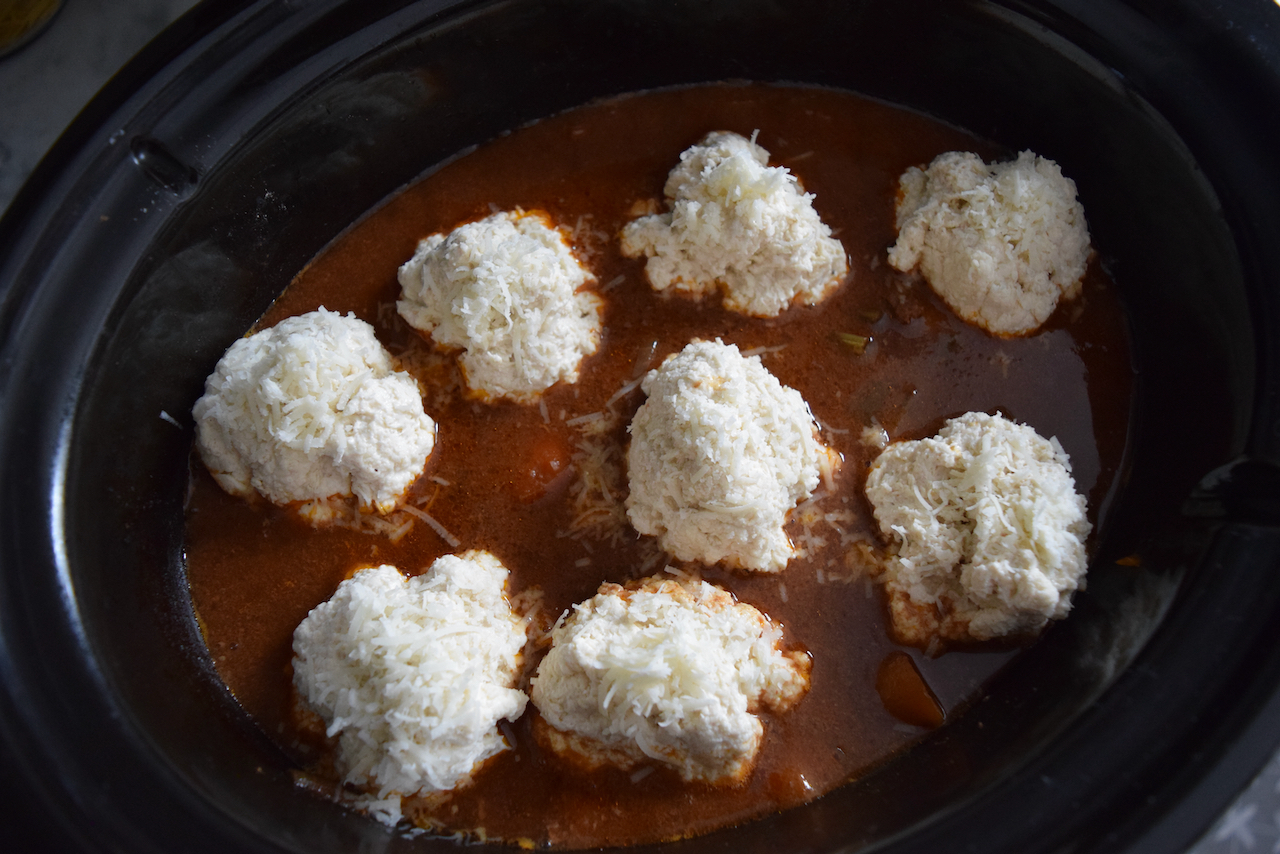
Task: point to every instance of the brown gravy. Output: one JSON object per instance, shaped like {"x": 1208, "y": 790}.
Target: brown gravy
{"x": 255, "y": 571}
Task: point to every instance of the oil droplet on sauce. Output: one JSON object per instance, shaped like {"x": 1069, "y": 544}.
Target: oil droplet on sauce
{"x": 544, "y": 468}
{"x": 905, "y": 694}
{"x": 788, "y": 787}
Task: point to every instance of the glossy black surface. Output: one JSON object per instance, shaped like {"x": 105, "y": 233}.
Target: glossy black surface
{"x": 234, "y": 149}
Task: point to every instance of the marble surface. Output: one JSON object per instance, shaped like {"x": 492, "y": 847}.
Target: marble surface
{"x": 1252, "y": 823}
{"x": 44, "y": 85}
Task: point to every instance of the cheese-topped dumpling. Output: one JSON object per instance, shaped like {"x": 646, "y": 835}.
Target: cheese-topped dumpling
{"x": 673, "y": 671}
{"x": 739, "y": 225}
{"x": 720, "y": 454}
{"x": 509, "y": 293}
{"x": 412, "y": 675}
{"x": 1001, "y": 244}
{"x": 311, "y": 409}
{"x": 986, "y": 530}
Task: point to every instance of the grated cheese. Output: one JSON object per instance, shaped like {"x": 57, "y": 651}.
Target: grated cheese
{"x": 435, "y": 525}
{"x": 341, "y": 513}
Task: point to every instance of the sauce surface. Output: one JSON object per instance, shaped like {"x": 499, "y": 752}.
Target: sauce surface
{"x": 509, "y": 478}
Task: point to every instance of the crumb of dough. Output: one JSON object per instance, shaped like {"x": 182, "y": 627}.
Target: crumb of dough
{"x": 412, "y": 675}
{"x": 667, "y": 670}
{"x": 987, "y": 532}
{"x": 720, "y": 454}
{"x": 737, "y": 224}
{"x": 1000, "y": 244}
{"x": 311, "y": 409}
{"x": 508, "y": 292}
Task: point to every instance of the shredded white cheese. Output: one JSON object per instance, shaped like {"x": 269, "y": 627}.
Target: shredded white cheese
{"x": 668, "y": 670}
{"x": 987, "y": 530}
{"x": 508, "y": 292}
{"x": 412, "y": 675}
{"x": 1000, "y": 243}
{"x": 311, "y": 409}
{"x": 737, "y": 224}
{"x": 720, "y": 453}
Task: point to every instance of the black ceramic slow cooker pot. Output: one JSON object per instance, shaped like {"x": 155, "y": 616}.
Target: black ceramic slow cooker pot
{"x": 227, "y": 155}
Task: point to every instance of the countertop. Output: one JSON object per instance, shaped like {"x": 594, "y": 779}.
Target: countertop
{"x": 43, "y": 86}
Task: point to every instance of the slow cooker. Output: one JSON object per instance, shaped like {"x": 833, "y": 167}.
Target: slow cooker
{"x": 221, "y": 160}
